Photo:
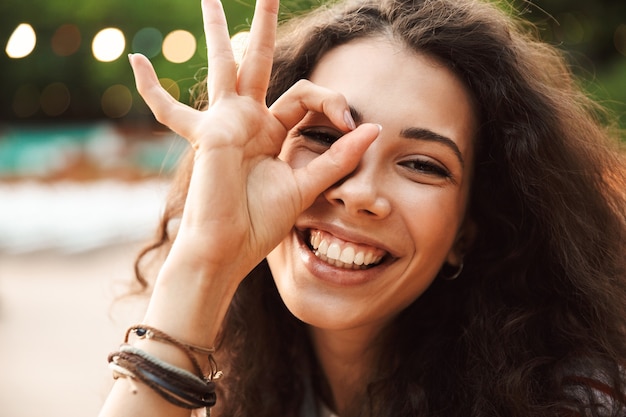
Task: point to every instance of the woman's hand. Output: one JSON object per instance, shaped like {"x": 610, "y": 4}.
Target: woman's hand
{"x": 242, "y": 200}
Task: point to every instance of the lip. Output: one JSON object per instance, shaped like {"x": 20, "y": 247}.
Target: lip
{"x": 334, "y": 275}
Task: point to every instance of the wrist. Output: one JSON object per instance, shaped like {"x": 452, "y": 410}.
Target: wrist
{"x": 191, "y": 302}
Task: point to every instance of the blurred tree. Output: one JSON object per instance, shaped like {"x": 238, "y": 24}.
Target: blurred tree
{"x": 589, "y": 31}
{"x": 86, "y": 77}
{"x": 593, "y": 35}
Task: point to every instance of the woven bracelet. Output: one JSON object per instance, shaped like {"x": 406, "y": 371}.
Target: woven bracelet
{"x": 142, "y": 376}
{"x": 172, "y": 372}
{"x": 175, "y": 385}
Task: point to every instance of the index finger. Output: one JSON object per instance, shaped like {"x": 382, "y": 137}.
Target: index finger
{"x": 304, "y": 96}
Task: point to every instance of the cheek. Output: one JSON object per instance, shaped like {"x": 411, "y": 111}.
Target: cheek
{"x": 433, "y": 216}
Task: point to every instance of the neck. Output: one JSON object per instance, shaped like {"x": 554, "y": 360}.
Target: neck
{"x": 345, "y": 357}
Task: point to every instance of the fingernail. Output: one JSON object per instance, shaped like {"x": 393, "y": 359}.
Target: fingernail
{"x": 347, "y": 118}
{"x": 130, "y": 57}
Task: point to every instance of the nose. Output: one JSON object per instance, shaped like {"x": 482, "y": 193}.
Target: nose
{"x": 361, "y": 193}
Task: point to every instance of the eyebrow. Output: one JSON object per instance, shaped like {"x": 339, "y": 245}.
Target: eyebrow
{"x": 419, "y": 134}
{"x": 429, "y": 135}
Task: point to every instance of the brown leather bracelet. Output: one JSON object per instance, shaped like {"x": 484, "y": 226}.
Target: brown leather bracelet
{"x": 143, "y": 331}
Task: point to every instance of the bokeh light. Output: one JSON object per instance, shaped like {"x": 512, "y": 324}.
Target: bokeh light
{"x": 148, "y": 41}
{"x": 108, "y": 44}
{"x": 55, "y": 99}
{"x": 179, "y": 46}
{"x": 66, "y": 40}
{"x": 26, "y": 101}
{"x": 239, "y": 44}
{"x": 21, "y": 42}
{"x": 171, "y": 86}
{"x": 117, "y": 101}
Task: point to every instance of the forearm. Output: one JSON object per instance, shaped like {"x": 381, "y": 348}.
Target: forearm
{"x": 188, "y": 303}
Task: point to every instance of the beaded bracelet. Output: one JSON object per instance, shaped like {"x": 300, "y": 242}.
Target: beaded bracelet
{"x": 146, "y": 332}
{"x": 143, "y": 331}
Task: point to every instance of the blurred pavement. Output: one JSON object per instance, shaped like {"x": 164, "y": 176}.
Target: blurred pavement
{"x": 66, "y": 255}
{"x": 58, "y": 322}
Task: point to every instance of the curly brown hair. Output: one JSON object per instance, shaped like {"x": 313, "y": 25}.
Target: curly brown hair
{"x": 543, "y": 293}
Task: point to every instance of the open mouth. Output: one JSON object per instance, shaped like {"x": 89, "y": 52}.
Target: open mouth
{"x": 342, "y": 254}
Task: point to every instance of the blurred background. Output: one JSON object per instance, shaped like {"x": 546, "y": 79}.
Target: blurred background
{"x": 84, "y": 168}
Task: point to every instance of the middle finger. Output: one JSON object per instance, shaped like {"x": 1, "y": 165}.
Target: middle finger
{"x": 222, "y": 76}
{"x": 256, "y": 65}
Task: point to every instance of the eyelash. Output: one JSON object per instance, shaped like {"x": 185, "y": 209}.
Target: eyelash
{"x": 420, "y": 166}
{"x": 427, "y": 167}
{"x": 320, "y": 136}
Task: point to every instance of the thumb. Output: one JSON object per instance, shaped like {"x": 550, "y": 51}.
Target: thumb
{"x": 334, "y": 164}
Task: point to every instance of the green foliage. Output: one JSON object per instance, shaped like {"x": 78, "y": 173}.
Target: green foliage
{"x": 585, "y": 29}
{"x": 80, "y": 71}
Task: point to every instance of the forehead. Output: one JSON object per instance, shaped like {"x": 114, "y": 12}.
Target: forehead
{"x": 399, "y": 88}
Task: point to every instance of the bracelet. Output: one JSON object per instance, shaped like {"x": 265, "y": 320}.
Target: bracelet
{"x": 142, "y": 331}
{"x": 154, "y": 362}
{"x": 119, "y": 372}
{"x": 175, "y": 385}
{"x": 146, "y": 332}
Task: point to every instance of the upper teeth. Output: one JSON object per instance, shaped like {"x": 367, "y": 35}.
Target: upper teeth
{"x": 348, "y": 257}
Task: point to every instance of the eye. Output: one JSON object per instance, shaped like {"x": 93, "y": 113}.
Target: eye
{"x": 321, "y": 135}
{"x": 427, "y": 167}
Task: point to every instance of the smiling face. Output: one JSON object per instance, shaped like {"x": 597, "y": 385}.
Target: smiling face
{"x": 374, "y": 242}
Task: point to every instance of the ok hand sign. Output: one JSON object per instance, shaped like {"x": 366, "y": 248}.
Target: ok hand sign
{"x": 242, "y": 200}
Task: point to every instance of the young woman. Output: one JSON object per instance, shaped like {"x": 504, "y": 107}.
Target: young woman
{"x": 428, "y": 220}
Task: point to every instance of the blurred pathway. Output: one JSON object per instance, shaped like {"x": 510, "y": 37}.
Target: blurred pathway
{"x": 58, "y": 323}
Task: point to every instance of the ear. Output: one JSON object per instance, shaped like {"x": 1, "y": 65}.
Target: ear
{"x": 462, "y": 243}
